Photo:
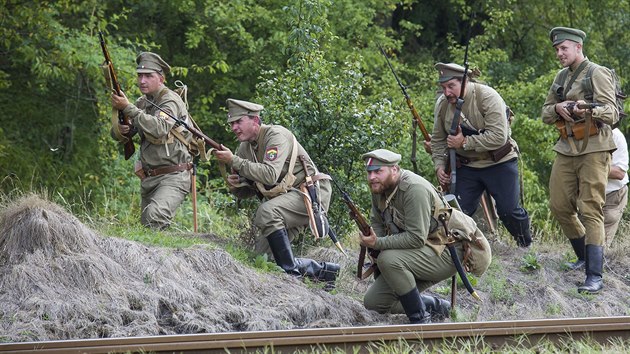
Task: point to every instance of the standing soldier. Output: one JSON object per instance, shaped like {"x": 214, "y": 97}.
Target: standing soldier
{"x": 267, "y": 164}
{"x": 412, "y": 242}
{"x": 486, "y": 154}
{"x": 165, "y": 162}
{"x": 617, "y": 187}
{"x": 577, "y": 186}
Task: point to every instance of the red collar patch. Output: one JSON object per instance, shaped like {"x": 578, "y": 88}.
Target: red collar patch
{"x": 271, "y": 153}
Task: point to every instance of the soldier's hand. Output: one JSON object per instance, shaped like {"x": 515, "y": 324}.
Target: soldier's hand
{"x": 563, "y": 111}
{"x": 443, "y": 178}
{"x": 124, "y": 128}
{"x": 455, "y": 141}
{"x": 233, "y": 181}
{"x": 577, "y": 110}
{"x": 427, "y": 146}
{"x": 224, "y": 155}
{"x": 119, "y": 102}
{"x": 368, "y": 241}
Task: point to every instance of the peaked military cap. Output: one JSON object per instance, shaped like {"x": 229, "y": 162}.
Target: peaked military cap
{"x": 558, "y": 35}
{"x": 379, "y": 158}
{"x": 238, "y": 108}
{"x": 151, "y": 63}
{"x": 450, "y": 71}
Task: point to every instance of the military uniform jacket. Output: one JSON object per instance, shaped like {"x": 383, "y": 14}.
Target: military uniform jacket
{"x": 603, "y": 92}
{"x": 158, "y": 148}
{"x": 266, "y": 160}
{"x": 403, "y": 218}
{"x": 488, "y": 116}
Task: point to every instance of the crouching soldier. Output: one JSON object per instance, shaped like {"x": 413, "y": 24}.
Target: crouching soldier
{"x": 268, "y": 164}
{"x": 409, "y": 230}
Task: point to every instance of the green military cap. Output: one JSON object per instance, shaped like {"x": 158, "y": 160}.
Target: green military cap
{"x": 238, "y": 108}
{"x": 450, "y": 71}
{"x": 379, "y": 158}
{"x": 151, "y": 63}
{"x": 560, "y": 34}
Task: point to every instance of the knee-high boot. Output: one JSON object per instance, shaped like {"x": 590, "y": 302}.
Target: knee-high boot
{"x": 438, "y": 309}
{"x": 281, "y": 250}
{"x": 414, "y": 307}
{"x": 579, "y": 249}
{"x": 594, "y": 266}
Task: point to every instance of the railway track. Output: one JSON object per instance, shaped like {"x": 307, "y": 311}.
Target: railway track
{"x": 496, "y": 334}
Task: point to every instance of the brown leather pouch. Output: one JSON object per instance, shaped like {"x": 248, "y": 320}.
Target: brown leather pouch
{"x": 498, "y": 154}
{"x": 579, "y": 130}
{"x": 562, "y": 128}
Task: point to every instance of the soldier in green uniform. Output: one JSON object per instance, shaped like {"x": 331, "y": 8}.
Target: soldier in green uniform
{"x": 267, "y": 164}
{"x": 165, "y": 161}
{"x": 413, "y": 255}
{"x": 580, "y": 171}
{"x": 486, "y": 154}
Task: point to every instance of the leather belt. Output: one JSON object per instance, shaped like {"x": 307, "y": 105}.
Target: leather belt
{"x": 168, "y": 169}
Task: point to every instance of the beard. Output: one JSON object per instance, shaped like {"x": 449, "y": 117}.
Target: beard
{"x": 384, "y": 186}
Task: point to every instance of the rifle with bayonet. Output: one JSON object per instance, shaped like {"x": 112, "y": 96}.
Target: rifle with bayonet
{"x": 122, "y": 119}
{"x": 417, "y": 120}
{"x": 365, "y": 229}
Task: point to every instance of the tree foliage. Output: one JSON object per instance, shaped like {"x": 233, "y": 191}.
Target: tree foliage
{"x": 314, "y": 64}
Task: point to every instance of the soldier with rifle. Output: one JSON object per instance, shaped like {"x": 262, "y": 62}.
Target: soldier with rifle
{"x": 165, "y": 162}
{"x": 272, "y": 165}
{"x": 577, "y": 185}
{"x": 408, "y": 229}
{"x": 471, "y": 135}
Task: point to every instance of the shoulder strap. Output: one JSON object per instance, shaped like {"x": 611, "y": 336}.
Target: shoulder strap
{"x": 587, "y": 83}
{"x": 577, "y": 72}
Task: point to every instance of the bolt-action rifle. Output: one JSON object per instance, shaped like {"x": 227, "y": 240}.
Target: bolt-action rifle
{"x": 458, "y": 111}
{"x": 417, "y": 120}
{"x": 192, "y": 130}
{"x": 365, "y": 229}
{"x": 122, "y": 119}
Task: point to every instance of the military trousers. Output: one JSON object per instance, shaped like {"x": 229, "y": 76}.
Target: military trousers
{"x": 286, "y": 211}
{"x": 577, "y": 191}
{"x": 161, "y": 196}
{"x": 502, "y": 182}
{"x": 403, "y": 269}
{"x": 616, "y": 202}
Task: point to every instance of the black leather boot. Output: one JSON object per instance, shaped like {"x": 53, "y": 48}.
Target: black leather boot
{"x": 321, "y": 271}
{"x": 414, "y": 307}
{"x": 438, "y": 309}
{"x": 281, "y": 250}
{"x": 579, "y": 248}
{"x": 594, "y": 265}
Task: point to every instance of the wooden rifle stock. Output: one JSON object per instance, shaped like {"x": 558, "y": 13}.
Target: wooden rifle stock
{"x": 365, "y": 229}
{"x": 412, "y": 108}
{"x": 122, "y": 119}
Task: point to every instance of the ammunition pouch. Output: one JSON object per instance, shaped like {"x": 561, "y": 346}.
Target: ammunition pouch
{"x": 577, "y": 130}
{"x": 498, "y": 154}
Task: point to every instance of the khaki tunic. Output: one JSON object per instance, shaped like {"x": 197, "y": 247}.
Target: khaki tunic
{"x": 410, "y": 256}
{"x": 578, "y": 179}
{"x": 493, "y": 121}
{"x": 266, "y": 160}
{"x": 161, "y": 195}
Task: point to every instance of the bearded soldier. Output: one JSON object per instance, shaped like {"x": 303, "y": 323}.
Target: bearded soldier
{"x": 268, "y": 164}
{"x": 165, "y": 162}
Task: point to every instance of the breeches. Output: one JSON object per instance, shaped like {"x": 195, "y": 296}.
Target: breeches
{"x": 161, "y": 196}
{"x": 402, "y": 270}
{"x": 502, "y": 182}
{"x": 286, "y": 211}
{"x": 577, "y": 190}
{"x": 616, "y": 202}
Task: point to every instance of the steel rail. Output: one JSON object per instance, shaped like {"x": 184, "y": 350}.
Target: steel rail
{"x": 494, "y": 333}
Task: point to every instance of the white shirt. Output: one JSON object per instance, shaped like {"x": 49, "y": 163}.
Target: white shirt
{"x": 619, "y": 159}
